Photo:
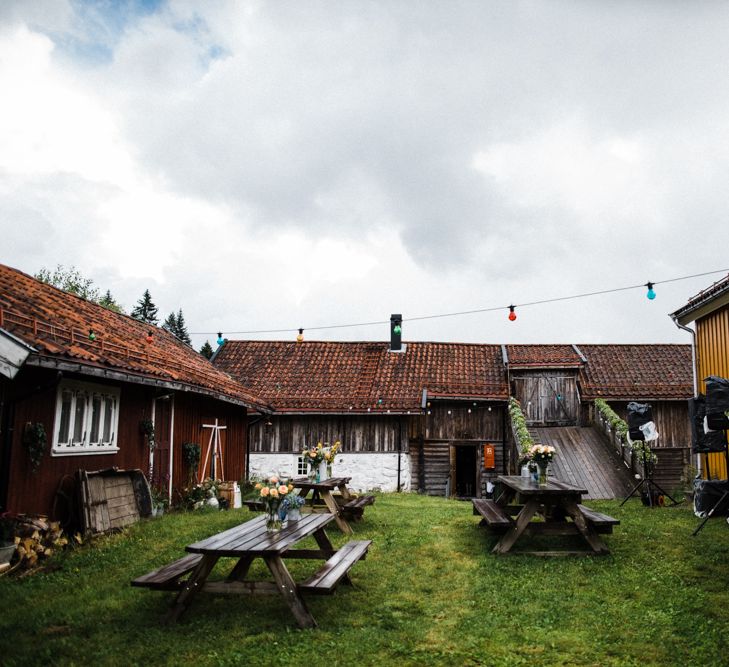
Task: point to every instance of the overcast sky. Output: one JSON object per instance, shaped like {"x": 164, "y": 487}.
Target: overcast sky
{"x": 275, "y": 165}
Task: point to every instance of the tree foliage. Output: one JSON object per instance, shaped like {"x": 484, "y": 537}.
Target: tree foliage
{"x": 73, "y": 281}
{"x": 175, "y": 324}
{"x": 145, "y": 310}
{"x": 206, "y": 350}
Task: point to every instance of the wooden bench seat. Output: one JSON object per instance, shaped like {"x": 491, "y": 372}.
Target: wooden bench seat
{"x": 353, "y": 509}
{"x": 167, "y": 578}
{"x": 493, "y": 515}
{"x": 253, "y": 505}
{"x": 602, "y": 522}
{"x": 325, "y": 581}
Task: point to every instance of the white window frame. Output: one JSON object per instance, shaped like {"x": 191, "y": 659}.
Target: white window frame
{"x": 84, "y": 394}
{"x": 300, "y": 464}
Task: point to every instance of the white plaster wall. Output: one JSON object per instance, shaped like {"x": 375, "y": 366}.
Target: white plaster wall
{"x": 369, "y": 471}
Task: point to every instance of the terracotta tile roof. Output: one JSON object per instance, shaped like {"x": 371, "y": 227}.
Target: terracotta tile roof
{"x": 628, "y": 372}
{"x": 718, "y": 289}
{"x": 57, "y": 325}
{"x": 319, "y": 376}
{"x": 531, "y": 356}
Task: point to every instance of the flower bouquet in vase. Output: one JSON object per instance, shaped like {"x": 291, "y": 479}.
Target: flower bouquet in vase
{"x": 290, "y": 509}
{"x": 542, "y": 455}
{"x": 320, "y": 459}
{"x": 272, "y": 493}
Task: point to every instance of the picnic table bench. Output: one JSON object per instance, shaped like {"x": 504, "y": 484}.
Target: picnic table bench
{"x": 247, "y": 542}
{"x": 353, "y": 509}
{"x": 556, "y": 504}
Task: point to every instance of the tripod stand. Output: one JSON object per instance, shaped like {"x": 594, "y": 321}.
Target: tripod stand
{"x": 647, "y": 480}
{"x": 723, "y": 496}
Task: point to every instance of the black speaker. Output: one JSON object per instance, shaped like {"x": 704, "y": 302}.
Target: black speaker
{"x": 701, "y": 441}
{"x": 639, "y": 414}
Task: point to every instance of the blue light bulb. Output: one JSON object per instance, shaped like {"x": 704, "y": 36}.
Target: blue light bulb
{"x": 221, "y": 340}
{"x": 650, "y": 294}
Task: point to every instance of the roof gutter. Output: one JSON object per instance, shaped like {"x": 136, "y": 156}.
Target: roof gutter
{"x": 56, "y": 364}
{"x": 693, "y": 350}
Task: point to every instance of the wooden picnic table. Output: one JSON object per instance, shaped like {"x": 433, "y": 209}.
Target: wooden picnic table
{"x": 558, "y": 506}
{"x": 323, "y": 490}
{"x": 248, "y": 541}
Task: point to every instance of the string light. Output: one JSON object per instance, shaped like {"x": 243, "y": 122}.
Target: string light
{"x": 397, "y": 329}
{"x": 300, "y": 337}
{"x": 650, "y": 293}
{"x": 221, "y": 340}
{"x": 150, "y": 337}
{"x": 475, "y": 310}
{"x": 92, "y": 335}
{"x": 512, "y": 314}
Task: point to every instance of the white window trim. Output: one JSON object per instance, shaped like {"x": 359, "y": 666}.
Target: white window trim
{"x": 87, "y": 448}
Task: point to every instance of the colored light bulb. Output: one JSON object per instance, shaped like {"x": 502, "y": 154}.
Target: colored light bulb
{"x": 221, "y": 340}
{"x": 300, "y": 337}
{"x": 92, "y": 335}
{"x": 512, "y": 314}
{"x": 650, "y": 293}
{"x": 150, "y": 337}
{"x": 397, "y": 329}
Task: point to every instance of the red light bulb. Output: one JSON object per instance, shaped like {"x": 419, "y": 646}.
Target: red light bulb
{"x": 512, "y": 314}
{"x": 150, "y": 338}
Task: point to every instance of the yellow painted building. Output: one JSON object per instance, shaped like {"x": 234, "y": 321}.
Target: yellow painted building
{"x": 709, "y": 311}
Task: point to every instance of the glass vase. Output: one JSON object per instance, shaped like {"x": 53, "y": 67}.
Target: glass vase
{"x": 543, "y": 473}
{"x": 273, "y": 520}
{"x": 322, "y": 473}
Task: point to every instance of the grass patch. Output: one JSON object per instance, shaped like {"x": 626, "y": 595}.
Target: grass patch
{"x": 430, "y": 592}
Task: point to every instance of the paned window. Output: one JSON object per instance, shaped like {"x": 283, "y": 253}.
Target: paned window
{"x": 302, "y": 467}
{"x": 87, "y": 416}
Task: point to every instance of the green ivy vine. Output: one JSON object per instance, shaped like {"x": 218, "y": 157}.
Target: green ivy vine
{"x": 34, "y": 441}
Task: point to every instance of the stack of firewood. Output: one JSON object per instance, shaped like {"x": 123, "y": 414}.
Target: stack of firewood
{"x": 36, "y": 538}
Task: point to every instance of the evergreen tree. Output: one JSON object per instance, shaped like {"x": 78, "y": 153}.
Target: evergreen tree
{"x": 145, "y": 310}
{"x": 170, "y": 324}
{"x": 175, "y": 324}
{"x": 206, "y": 350}
{"x": 109, "y": 302}
{"x": 182, "y": 332}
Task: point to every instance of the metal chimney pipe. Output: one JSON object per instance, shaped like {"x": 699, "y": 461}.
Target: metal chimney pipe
{"x": 395, "y": 333}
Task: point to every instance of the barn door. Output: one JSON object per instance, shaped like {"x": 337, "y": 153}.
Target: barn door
{"x": 527, "y": 390}
{"x": 558, "y": 396}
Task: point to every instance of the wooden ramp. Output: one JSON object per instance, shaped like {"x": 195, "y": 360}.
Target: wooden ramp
{"x": 584, "y": 458}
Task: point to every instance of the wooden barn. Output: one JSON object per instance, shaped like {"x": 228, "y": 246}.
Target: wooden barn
{"x": 428, "y": 417}
{"x": 432, "y": 417}
{"x": 89, "y": 382}
{"x": 709, "y": 311}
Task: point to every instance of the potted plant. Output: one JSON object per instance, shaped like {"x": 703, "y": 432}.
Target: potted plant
{"x": 7, "y": 537}
{"x": 159, "y": 502}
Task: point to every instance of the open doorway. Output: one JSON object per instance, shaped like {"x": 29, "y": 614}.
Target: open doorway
{"x": 466, "y": 469}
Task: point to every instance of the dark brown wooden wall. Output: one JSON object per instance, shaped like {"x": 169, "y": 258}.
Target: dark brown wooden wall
{"x": 671, "y": 419}
{"x": 357, "y": 433}
{"x": 453, "y": 421}
{"x": 34, "y": 493}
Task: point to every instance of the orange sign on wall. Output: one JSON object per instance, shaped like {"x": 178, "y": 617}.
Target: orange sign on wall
{"x": 489, "y": 456}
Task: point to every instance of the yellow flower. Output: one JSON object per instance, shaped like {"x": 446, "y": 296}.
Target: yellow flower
{"x": 312, "y": 454}
{"x": 327, "y": 456}
{"x": 258, "y": 485}
{"x": 274, "y": 493}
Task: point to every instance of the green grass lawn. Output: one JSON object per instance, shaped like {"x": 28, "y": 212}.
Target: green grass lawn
{"x": 429, "y": 593}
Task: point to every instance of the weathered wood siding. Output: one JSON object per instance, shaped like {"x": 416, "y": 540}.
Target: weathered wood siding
{"x": 357, "y": 433}
{"x": 547, "y": 397}
{"x": 712, "y": 351}
{"x": 433, "y": 437}
{"x": 32, "y": 397}
{"x": 671, "y": 419}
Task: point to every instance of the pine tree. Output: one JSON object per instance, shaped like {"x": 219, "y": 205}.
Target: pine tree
{"x": 170, "y": 324}
{"x": 145, "y": 311}
{"x": 109, "y": 302}
{"x": 206, "y": 350}
{"x": 182, "y": 332}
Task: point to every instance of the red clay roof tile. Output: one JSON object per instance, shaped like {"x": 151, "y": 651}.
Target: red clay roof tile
{"x": 57, "y": 325}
